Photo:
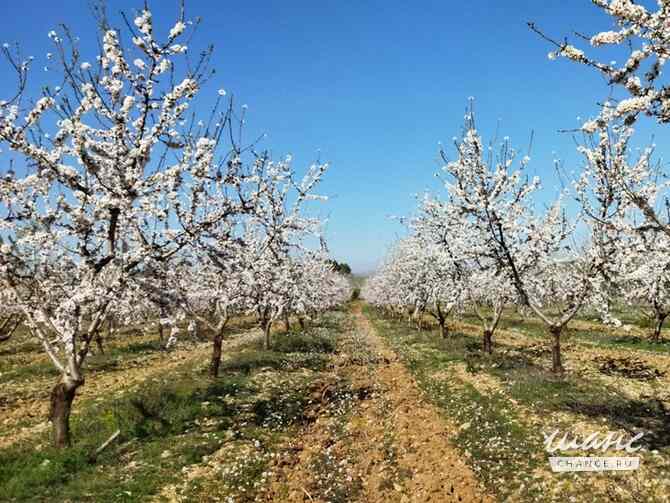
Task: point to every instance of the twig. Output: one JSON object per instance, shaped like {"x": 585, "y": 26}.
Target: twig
{"x": 308, "y": 495}
{"x": 104, "y": 446}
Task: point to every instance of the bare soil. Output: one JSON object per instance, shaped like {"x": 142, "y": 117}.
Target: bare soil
{"x": 394, "y": 443}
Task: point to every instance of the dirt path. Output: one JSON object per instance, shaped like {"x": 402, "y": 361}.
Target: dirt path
{"x": 394, "y": 446}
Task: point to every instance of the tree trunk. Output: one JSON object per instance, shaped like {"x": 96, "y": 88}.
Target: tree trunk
{"x": 98, "y": 337}
{"x": 62, "y": 396}
{"x": 488, "y": 341}
{"x": 418, "y": 320}
{"x": 557, "y": 366}
{"x": 98, "y": 343}
{"x": 216, "y": 354}
{"x": 266, "y": 331}
{"x": 172, "y": 340}
{"x": 161, "y": 317}
{"x": 658, "y": 326}
{"x": 301, "y": 320}
{"x": 444, "y": 328}
{"x": 5, "y": 331}
{"x": 192, "y": 330}
{"x": 287, "y": 324}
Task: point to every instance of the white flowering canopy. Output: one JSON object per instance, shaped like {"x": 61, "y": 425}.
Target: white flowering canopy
{"x": 113, "y": 180}
{"x": 643, "y": 36}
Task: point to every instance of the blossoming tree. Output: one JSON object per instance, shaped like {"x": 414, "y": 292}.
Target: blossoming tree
{"x": 109, "y": 179}
{"x": 478, "y": 279}
{"x": 636, "y": 220}
{"x": 639, "y": 90}
{"x": 10, "y": 317}
{"x": 495, "y": 201}
{"x": 420, "y": 277}
{"x": 637, "y": 269}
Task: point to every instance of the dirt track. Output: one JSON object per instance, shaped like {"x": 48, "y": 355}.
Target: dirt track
{"x": 394, "y": 441}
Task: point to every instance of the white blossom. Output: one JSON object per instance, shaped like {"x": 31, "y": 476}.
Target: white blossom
{"x": 177, "y": 29}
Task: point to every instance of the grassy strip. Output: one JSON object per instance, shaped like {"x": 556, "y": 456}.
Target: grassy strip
{"x": 603, "y": 338}
{"x": 114, "y": 358}
{"x": 499, "y": 427}
{"x": 623, "y": 342}
{"x": 333, "y": 477}
{"x": 502, "y": 450}
{"x": 16, "y": 354}
{"x": 169, "y": 423}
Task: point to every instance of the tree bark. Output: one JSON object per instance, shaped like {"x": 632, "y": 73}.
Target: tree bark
{"x": 444, "y": 328}
{"x": 98, "y": 337}
{"x": 418, "y": 319}
{"x": 658, "y": 326}
{"x": 216, "y": 354}
{"x": 442, "y": 321}
{"x": 161, "y": 316}
{"x": 217, "y": 344}
{"x": 557, "y": 365}
{"x": 98, "y": 343}
{"x": 488, "y": 341}
{"x": 6, "y": 331}
{"x": 62, "y": 396}
{"x": 267, "y": 325}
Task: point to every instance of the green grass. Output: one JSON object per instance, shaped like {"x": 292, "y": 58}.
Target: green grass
{"x": 289, "y": 352}
{"x": 303, "y": 343}
{"x": 605, "y": 340}
{"x": 602, "y": 337}
{"x": 497, "y": 443}
{"x": 112, "y": 359}
{"x": 527, "y": 382}
{"x": 157, "y": 417}
{"x": 171, "y": 422}
{"x": 12, "y": 372}
{"x": 504, "y": 447}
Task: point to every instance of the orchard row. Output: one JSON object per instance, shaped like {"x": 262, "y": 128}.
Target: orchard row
{"x": 121, "y": 206}
{"x": 491, "y": 241}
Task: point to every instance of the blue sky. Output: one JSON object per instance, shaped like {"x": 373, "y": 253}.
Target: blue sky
{"x": 372, "y": 87}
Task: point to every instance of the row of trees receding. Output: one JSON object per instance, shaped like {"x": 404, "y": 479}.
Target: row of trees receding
{"x": 489, "y": 243}
{"x": 119, "y": 205}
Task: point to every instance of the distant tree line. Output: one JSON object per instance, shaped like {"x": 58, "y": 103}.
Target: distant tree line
{"x": 341, "y": 267}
